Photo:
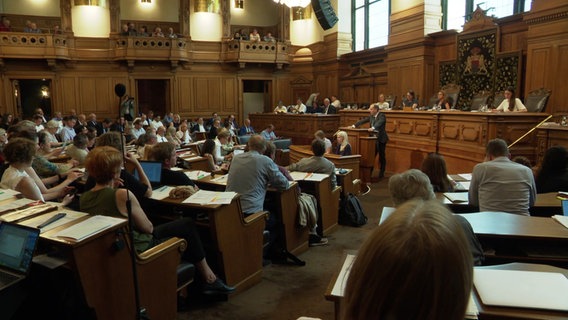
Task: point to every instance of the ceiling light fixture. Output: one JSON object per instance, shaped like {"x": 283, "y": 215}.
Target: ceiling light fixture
{"x": 294, "y": 3}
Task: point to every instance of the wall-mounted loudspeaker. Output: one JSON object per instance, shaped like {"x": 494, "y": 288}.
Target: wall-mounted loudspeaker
{"x": 325, "y": 13}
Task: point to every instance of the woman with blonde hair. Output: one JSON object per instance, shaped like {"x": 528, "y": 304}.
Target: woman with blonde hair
{"x": 172, "y": 137}
{"x": 415, "y": 265}
{"x": 343, "y": 147}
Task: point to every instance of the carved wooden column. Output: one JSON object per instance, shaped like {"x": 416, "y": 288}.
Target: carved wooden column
{"x": 184, "y": 18}
{"x": 226, "y": 15}
{"x": 284, "y": 31}
{"x": 66, "y": 25}
{"x": 114, "y": 7}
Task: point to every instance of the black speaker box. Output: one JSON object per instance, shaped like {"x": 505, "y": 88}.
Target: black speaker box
{"x": 325, "y": 13}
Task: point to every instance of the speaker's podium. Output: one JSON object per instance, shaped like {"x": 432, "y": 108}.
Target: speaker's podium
{"x": 325, "y": 13}
{"x": 363, "y": 142}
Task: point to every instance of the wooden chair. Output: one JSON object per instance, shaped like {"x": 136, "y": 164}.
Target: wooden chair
{"x": 158, "y": 277}
{"x": 244, "y": 139}
{"x": 452, "y": 93}
{"x": 536, "y": 100}
{"x": 433, "y": 100}
{"x": 498, "y": 97}
{"x": 479, "y": 99}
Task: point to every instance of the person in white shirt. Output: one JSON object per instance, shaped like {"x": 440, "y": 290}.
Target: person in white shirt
{"x": 382, "y": 104}
{"x": 68, "y": 131}
{"x": 183, "y": 134}
{"x": 221, "y": 139}
{"x": 137, "y": 131}
{"x": 280, "y": 108}
{"x": 299, "y": 107}
{"x": 511, "y": 103}
{"x": 254, "y": 36}
{"x": 37, "y": 120}
{"x": 335, "y": 102}
{"x": 161, "y": 134}
{"x": 156, "y": 123}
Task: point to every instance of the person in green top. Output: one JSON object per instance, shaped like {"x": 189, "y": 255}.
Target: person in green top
{"x": 104, "y": 165}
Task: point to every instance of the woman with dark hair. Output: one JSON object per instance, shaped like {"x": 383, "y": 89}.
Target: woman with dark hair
{"x": 434, "y": 166}
{"x": 104, "y": 165}
{"x": 553, "y": 173}
{"x": 511, "y": 102}
{"x": 410, "y": 100}
{"x": 442, "y": 102}
{"x": 207, "y": 151}
{"x": 7, "y": 121}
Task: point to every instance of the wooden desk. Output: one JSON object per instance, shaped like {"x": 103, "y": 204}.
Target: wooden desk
{"x": 485, "y": 312}
{"x": 349, "y": 181}
{"x": 493, "y": 312}
{"x": 295, "y": 237}
{"x": 460, "y": 137}
{"x": 237, "y": 241}
{"x": 299, "y": 127}
{"x": 546, "y": 205}
{"x": 328, "y": 203}
{"x": 517, "y": 238}
{"x": 548, "y": 136}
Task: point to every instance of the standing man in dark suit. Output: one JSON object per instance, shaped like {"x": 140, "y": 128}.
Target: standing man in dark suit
{"x": 377, "y": 120}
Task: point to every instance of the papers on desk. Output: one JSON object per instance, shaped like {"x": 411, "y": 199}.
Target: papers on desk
{"x": 387, "y": 211}
{"x": 161, "y": 193}
{"x": 462, "y": 186}
{"x": 563, "y": 220}
{"x": 196, "y": 174}
{"x": 465, "y": 176}
{"x": 471, "y": 312}
{"x": 457, "y": 197}
{"x": 308, "y": 176}
{"x": 522, "y": 289}
{"x": 16, "y": 205}
{"x": 89, "y": 227}
{"x": 221, "y": 179}
{"x": 341, "y": 281}
{"x": 7, "y": 194}
{"x": 205, "y": 197}
{"x": 28, "y": 211}
{"x": 69, "y": 216}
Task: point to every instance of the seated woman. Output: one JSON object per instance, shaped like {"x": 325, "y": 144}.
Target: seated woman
{"x": 51, "y": 129}
{"x": 410, "y": 100}
{"x": 415, "y": 265}
{"x": 553, "y": 173}
{"x": 104, "y": 165}
{"x": 20, "y": 176}
{"x": 434, "y": 166}
{"x": 207, "y": 151}
{"x": 41, "y": 164}
{"x": 78, "y": 150}
{"x": 171, "y": 136}
{"x": 511, "y": 103}
{"x": 442, "y": 102}
{"x": 343, "y": 147}
{"x": 382, "y": 104}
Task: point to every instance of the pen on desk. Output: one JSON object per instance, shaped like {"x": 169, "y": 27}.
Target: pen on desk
{"x": 162, "y": 188}
{"x": 309, "y": 174}
{"x": 52, "y": 220}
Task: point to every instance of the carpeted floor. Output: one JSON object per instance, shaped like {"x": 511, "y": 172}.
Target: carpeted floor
{"x": 287, "y": 291}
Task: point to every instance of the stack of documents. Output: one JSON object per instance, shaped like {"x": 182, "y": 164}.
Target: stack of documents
{"x": 89, "y": 227}
{"x": 205, "y": 197}
{"x": 457, "y": 197}
{"x": 308, "y": 176}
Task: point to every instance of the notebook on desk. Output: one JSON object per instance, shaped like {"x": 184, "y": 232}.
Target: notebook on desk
{"x": 17, "y": 246}
{"x": 153, "y": 170}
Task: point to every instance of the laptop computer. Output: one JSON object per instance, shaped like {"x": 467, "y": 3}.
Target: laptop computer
{"x": 17, "y": 246}
{"x": 153, "y": 170}
{"x": 565, "y": 207}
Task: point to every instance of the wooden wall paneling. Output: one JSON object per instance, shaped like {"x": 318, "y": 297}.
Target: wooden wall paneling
{"x": 229, "y": 95}
{"x": 214, "y": 93}
{"x": 539, "y": 61}
{"x": 88, "y": 95}
{"x": 201, "y": 85}
{"x": 185, "y": 96}
{"x": 557, "y": 101}
{"x": 68, "y": 91}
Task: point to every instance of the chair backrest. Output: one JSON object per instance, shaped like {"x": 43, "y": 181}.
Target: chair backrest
{"x": 479, "y": 99}
{"x": 498, "y": 97}
{"x": 433, "y": 100}
{"x": 536, "y": 100}
{"x": 244, "y": 139}
{"x": 282, "y": 143}
{"x": 452, "y": 93}
{"x": 391, "y": 100}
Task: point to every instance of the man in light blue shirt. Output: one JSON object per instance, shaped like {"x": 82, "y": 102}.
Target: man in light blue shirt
{"x": 251, "y": 173}
{"x": 268, "y": 133}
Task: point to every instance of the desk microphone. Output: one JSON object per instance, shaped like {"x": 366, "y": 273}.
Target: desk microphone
{"x": 52, "y": 220}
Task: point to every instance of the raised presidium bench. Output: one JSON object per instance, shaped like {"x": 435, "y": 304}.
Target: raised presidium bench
{"x": 101, "y": 268}
{"x": 477, "y": 308}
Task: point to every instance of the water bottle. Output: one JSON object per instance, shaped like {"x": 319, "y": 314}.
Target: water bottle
{"x": 563, "y": 122}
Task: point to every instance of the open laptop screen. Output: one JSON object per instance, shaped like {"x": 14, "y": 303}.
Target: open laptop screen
{"x": 565, "y": 207}
{"x": 17, "y": 246}
{"x": 153, "y": 170}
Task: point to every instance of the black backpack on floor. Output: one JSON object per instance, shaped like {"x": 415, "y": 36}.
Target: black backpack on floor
{"x": 351, "y": 212}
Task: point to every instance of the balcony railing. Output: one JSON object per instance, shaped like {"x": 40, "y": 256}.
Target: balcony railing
{"x": 33, "y": 46}
{"x": 244, "y": 51}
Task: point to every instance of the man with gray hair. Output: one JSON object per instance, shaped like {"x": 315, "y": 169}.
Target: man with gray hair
{"x": 251, "y": 173}
{"x": 499, "y": 184}
{"x": 415, "y": 184}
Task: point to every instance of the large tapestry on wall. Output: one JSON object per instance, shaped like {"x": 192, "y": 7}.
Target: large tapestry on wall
{"x": 476, "y": 64}
{"x": 508, "y": 66}
{"x": 447, "y": 73}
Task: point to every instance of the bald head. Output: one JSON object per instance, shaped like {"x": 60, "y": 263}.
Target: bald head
{"x": 257, "y": 143}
